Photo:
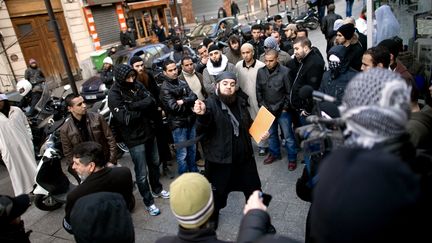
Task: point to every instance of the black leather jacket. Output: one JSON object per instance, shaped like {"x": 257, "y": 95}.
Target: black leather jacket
{"x": 178, "y": 115}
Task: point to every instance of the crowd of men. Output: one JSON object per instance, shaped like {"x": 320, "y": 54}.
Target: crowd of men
{"x": 210, "y": 106}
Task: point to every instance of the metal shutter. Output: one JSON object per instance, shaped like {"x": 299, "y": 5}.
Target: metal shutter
{"x": 107, "y": 24}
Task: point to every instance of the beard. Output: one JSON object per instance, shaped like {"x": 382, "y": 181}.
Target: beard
{"x": 217, "y": 63}
{"x": 227, "y": 99}
{"x": 236, "y": 51}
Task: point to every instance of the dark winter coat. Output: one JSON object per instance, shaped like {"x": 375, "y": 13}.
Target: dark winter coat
{"x": 258, "y": 48}
{"x": 420, "y": 128}
{"x": 99, "y": 131}
{"x": 272, "y": 89}
{"x": 215, "y": 126}
{"x": 355, "y": 55}
{"x": 327, "y": 24}
{"x": 107, "y": 77}
{"x": 117, "y": 179}
{"x": 34, "y": 75}
{"x": 308, "y": 71}
{"x": 230, "y": 162}
{"x": 200, "y": 235}
{"x": 335, "y": 85}
{"x": 133, "y": 107}
{"x": 179, "y": 116}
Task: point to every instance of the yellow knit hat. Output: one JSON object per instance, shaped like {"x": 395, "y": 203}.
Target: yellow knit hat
{"x": 191, "y": 200}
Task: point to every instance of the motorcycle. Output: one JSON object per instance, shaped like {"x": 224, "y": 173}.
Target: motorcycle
{"x": 49, "y": 109}
{"x": 308, "y": 19}
{"x": 52, "y": 185}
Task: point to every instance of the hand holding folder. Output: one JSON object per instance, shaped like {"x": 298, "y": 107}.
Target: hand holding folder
{"x": 261, "y": 124}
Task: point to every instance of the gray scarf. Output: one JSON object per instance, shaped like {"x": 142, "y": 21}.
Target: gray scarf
{"x": 233, "y": 119}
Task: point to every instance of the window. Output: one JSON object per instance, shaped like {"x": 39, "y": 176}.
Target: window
{"x": 25, "y": 29}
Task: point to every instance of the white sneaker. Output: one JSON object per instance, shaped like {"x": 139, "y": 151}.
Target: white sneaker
{"x": 153, "y": 210}
{"x": 163, "y": 194}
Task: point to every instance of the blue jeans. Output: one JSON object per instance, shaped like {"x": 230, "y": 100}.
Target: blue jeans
{"x": 145, "y": 156}
{"x": 285, "y": 122}
{"x": 349, "y": 5}
{"x": 185, "y": 156}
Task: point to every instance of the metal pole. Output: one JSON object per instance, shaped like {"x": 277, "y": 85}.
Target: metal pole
{"x": 267, "y": 7}
{"x": 61, "y": 47}
{"x": 369, "y": 12}
{"x": 7, "y": 58}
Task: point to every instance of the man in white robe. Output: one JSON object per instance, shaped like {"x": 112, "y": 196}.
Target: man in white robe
{"x": 16, "y": 147}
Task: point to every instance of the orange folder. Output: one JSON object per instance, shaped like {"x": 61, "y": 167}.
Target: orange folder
{"x": 261, "y": 124}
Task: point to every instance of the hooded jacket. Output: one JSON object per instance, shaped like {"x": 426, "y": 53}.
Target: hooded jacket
{"x": 132, "y": 106}
{"x": 334, "y": 81}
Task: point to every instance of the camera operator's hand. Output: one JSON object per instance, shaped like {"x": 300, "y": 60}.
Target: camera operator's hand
{"x": 254, "y": 202}
{"x": 304, "y": 113}
{"x": 199, "y": 107}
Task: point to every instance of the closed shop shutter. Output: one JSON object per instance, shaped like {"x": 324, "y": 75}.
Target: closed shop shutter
{"x": 107, "y": 24}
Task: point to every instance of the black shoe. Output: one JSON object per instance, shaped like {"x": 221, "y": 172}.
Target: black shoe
{"x": 271, "y": 229}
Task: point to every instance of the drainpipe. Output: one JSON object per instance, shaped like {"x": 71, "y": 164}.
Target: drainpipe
{"x": 7, "y": 57}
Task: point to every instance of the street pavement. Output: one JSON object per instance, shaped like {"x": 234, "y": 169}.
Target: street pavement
{"x": 287, "y": 211}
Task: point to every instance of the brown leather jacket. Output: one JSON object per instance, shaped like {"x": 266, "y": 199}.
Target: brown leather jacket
{"x": 99, "y": 131}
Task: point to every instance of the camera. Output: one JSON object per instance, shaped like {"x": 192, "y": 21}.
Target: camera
{"x": 320, "y": 137}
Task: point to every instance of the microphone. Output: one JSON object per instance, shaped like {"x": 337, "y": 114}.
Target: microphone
{"x": 316, "y": 119}
{"x": 307, "y": 92}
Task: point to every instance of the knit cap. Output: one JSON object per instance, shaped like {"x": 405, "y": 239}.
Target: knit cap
{"x": 347, "y": 30}
{"x": 135, "y": 59}
{"x": 108, "y": 60}
{"x": 121, "y": 71}
{"x": 191, "y": 200}
{"x": 375, "y": 107}
{"x": 337, "y": 24}
{"x": 270, "y": 42}
{"x": 225, "y": 75}
{"x": 213, "y": 48}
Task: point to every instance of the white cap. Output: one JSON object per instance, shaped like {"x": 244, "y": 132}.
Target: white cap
{"x": 108, "y": 60}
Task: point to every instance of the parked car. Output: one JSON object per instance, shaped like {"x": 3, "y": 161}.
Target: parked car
{"x": 149, "y": 53}
{"x": 153, "y": 56}
{"x": 93, "y": 90}
{"x": 208, "y": 29}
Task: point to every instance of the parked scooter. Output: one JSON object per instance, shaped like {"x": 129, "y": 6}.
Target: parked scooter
{"x": 52, "y": 185}
{"x": 308, "y": 19}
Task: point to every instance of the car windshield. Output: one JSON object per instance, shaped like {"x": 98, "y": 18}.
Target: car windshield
{"x": 208, "y": 29}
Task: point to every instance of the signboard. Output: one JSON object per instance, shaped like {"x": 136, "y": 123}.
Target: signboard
{"x": 99, "y": 2}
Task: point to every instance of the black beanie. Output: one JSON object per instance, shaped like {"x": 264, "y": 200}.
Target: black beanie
{"x": 135, "y": 59}
{"x": 213, "y": 48}
{"x": 347, "y": 30}
{"x": 121, "y": 71}
{"x": 225, "y": 75}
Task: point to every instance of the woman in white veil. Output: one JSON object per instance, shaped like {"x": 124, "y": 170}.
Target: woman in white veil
{"x": 387, "y": 26}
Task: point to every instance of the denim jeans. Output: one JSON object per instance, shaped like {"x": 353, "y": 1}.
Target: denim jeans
{"x": 285, "y": 122}
{"x": 349, "y": 5}
{"x": 185, "y": 156}
{"x": 145, "y": 156}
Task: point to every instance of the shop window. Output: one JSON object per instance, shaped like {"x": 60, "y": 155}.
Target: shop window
{"x": 25, "y": 29}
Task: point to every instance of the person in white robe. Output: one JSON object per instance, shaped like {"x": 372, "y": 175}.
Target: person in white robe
{"x": 16, "y": 147}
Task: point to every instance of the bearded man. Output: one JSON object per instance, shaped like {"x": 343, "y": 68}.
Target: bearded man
{"x": 217, "y": 65}
{"x": 223, "y": 121}
{"x": 233, "y": 51}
